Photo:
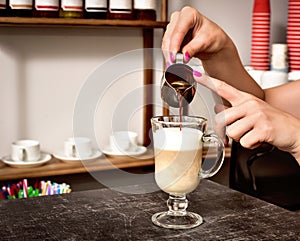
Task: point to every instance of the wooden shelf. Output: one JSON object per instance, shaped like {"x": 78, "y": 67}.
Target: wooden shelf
{"x": 56, "y": 167}
{"x": 73, "y": 22}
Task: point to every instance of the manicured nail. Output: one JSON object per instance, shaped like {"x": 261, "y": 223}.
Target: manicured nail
{"x": 168, "y": 64}
{"x": 197, "y": 73}
{"x": 187, "y": 57}
{"x": 172, "y": 57}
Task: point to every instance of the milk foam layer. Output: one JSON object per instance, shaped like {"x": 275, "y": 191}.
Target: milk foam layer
{"x": 176, "y": 139}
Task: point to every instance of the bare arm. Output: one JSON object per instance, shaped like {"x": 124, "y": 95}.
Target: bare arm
{"x": 285, "y": 97}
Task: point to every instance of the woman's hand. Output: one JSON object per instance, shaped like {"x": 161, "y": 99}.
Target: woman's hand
{"x": 251, "y": 121}
{"x": 195, "y": 35}
{"x": 199, "y": 36}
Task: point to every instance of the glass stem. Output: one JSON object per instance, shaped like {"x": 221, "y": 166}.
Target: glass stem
{"x": 177, "y": 205}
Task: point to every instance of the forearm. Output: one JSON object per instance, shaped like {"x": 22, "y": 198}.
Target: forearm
{"x": 285, "y": 97}
{"x": 227, "y": 66}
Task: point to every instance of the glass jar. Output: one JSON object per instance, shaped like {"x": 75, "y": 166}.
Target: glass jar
{"x": 145, "y": 9}
{"x": 120, "y": 9}
{"x": 95, "y": 9}
{"x": 71, "y": 9}
{"x": 20, "y": 8}
{"x": 46, "y": 8}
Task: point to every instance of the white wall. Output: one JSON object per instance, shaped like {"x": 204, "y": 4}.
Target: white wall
{"x": 43, "y": 71}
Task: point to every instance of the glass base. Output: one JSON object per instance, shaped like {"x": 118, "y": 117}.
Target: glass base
{"x": 171, "y": 220}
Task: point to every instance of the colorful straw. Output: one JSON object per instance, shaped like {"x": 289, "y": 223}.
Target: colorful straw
{"x": 42, "y": 188}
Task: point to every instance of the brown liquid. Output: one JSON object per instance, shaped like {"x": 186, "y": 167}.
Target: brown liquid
{"x": 184, "y": 90}
{"x": 180, "y": 77}
{"x": 181, "y": 87}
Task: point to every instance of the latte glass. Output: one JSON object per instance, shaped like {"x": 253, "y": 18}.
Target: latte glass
{"x": 178, "y": 144}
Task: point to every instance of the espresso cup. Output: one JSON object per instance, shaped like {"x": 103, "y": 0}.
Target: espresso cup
{"x": 25, "y": 150}
{"x": 123, "y": 141}
{"x": 78, "y": 147}
{"x": 273, "y": 78}
{"x": 256, "y": 75}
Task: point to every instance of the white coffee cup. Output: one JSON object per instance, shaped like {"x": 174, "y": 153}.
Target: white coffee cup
{"x": 273, "y": 78}
{"x": 78, "y": 147}
{"x": 256, "y": 75}
{"x": 123, "y": 141}
{"x": 25, "y": 150}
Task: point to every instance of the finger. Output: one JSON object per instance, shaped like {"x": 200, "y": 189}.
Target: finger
{"x": 168, "y": 37}
{"x": 252, "y": 139}
{"x": 225, "y": 118}
{"x": 196, "y": 46}
{"x": 241, "y": 127}
{"x": 233, "y": 95}
{"x": 223, "y": 121}
{"x": 186, "y": 21}
{"x": 220, "y": 126}
{"x": 208, "y": 38}
{"x": 232, "y": 114}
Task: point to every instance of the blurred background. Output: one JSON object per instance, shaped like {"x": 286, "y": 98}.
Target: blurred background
{"x": 43, "y": 71}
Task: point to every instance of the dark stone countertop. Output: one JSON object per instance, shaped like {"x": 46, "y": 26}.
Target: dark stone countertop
{"x": 109, "y": 215}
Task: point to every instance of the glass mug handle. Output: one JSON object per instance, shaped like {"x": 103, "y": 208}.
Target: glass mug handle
{"x": 220, "y": 158}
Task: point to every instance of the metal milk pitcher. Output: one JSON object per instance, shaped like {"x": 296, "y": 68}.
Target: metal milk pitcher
{"x": 178, "y": 85}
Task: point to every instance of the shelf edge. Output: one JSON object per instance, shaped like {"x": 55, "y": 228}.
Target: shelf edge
{"x": 38, "y": 22}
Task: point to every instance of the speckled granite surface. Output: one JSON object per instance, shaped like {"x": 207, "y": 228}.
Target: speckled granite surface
{"x": 108, "y": 215}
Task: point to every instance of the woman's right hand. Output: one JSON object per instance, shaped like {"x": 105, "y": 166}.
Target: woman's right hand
{"x": 252, "y": 121}
{"x": 195, "y": 35}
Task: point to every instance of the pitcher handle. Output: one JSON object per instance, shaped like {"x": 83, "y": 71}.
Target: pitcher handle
{"x": 220, "y": 158}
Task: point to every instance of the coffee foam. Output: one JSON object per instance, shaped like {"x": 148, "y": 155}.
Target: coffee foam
{"x": 174, "y": 139}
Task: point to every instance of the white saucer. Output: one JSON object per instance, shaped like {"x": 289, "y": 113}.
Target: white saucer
{"x": 61, "y": 156}
{"x": 139, "y": 151}
{"x": 20, "y": 164}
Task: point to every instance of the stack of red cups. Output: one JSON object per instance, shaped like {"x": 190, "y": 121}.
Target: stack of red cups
{"x": 260, "y": 46}
{"x": 293, "y": 34}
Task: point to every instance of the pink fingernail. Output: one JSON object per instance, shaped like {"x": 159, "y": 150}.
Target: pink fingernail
{"x": 172, "y": 57}
{"x": 186, "y": 57}
{"x": 197, "y": 73}
{"x": 168, "y": 64}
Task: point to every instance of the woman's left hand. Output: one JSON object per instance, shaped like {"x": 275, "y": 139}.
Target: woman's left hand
{"x": 252, "y": 121}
